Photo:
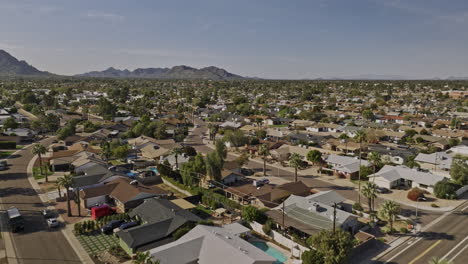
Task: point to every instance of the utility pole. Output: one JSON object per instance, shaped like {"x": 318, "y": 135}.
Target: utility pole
{"x": 334, "y": 218}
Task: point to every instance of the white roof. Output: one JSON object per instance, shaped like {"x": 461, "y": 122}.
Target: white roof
{"x": 210, "y": 245}
{"x": 393, "y": 173}
{"x": 345, "y": 164}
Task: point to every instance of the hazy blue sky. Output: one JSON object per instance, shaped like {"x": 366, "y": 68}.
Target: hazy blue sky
{"x": 264, "y": 38}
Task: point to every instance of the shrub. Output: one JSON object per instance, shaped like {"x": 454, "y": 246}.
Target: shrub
{"x": 403, "y": 230}
{"x": 445, "y": 190}
{"x": 357, "y": 207}
{"x": 250, "y": 213}
{"x": 434, "y": 205}
{"x": 415, "y": 193}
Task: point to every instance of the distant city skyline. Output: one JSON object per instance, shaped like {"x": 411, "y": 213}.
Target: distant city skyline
{"x": 262, "y": 38}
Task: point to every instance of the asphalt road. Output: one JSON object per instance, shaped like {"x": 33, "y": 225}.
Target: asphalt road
{"x": 36, "y": 244}
{"x": 312, "y": 181}
{"x": 446, "y": 239}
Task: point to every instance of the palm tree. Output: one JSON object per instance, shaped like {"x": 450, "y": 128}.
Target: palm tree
{"x": 177, "y": 152}
{"x": 66, "y": 181}
{"x": 439, "y": 261}
{"x": 360, "y": 136}
{"x": 375, "y": 159}
{"x": 388, "y": 211}
{"x": 295, "y": 161}
{"x": 264, "y": 151}
{"x": 39, "y": 150}
{"x": 106, "y": 149}
{"x": 57, "y": 184}
{"x": 370, "y": 192}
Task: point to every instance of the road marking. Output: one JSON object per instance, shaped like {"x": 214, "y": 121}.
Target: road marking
{"x": 403, "y": 250}
{"x": 425, "y": 251}
{"x": 454, "y": 248}
{"x": 459, "y": 252}
{"x": 464, "y": 208}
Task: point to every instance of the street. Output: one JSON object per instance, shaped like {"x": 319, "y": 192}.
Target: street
{"x": 37, "y": 243}
{"x": 446, "y": 239}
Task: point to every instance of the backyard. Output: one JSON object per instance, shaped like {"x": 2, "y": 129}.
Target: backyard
{"x": 97, "y": 242}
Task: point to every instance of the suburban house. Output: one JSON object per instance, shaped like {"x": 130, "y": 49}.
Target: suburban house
{"x": 266, "y": 195}
{"x": 344, "y": 166}
{"x": 151, "y": 148}
{"x": 212, "y": 245}
{"x": 394, "y": 155}
{"x": 313, "y": 213}
{"x": 124, "y": 192}
{"x": 393, "y": 176}
{"x": 158, "y": 219}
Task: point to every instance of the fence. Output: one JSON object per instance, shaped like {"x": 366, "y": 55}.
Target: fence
{"x": 168, "y": 183}
{"x": 462, "y": 190}
{"x": 296, "y": 249}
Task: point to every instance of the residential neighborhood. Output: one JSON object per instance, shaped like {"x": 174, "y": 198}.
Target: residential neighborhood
{"x": 229, "y": 172}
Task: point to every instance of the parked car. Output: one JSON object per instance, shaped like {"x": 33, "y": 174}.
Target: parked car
{"x": 109, "y": 227}
{"x": 52, "y": 222}
{"x": 48, "y": 213}
{"x": 247, "y": 172}
{"x": 128, "y": 225}
{"x": 3, "y": 165}
{"x": 383, "y": 190}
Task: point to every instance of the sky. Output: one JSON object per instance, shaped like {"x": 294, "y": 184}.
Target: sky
{"x": 282, "y": 39}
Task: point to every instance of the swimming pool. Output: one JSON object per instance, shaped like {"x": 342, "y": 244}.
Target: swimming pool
{"x": 280, "y": 258}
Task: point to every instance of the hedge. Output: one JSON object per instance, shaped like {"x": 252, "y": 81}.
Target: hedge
{"x": 415, "y": 193}
{"x": 7, "y": 145}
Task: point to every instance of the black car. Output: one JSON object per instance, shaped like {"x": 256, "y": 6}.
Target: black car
{"x": 383, "y": 190}
{"x": 111, "y": 225}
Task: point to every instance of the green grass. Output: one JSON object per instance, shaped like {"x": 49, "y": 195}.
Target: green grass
{"x": 37, "y": 172}
{"x": 97, "y": 242}
{"x": 19, "y": 146}
{"x": 4, "y": 154}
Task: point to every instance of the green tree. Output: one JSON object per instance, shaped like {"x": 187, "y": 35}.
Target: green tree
{"x": 314, "y": 156}
{"x": 264, "y": 151}
{"x": 369, "y": 191}
{"x": 39, "y": 150}
{"x": 335, "y": 247}
{"x": 250, "y": 213}
{"x": 459, "y": 171}
{"x": 10, "y": 123}
{"x": 177, "y": 152}
{"x": 295, "y": 161}
{"x": 106, "y": 150}
{"x": 312, "y": 257}
{"x": 66, "y": 182}
{"x": 388, "y": 211}
{"x": 368, "y": 114}
{"x": 120, "y": 152}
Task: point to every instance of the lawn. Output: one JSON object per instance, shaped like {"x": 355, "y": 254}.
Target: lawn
{"x": 4, "y": 154}
{"x": 97, "y": 242}
{"x": 37, "y": 172}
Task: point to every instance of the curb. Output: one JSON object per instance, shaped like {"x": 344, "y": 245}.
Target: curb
{"x": 67, "y": 232}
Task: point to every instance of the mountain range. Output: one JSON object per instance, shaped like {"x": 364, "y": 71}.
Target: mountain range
{"x": 11, "y": 67}
{"x": 176, "y": 72}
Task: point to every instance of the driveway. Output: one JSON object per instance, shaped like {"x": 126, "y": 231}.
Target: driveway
{"x": 36, "y": 244}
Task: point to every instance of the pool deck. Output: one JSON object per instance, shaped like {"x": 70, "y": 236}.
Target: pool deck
{"x": 285, "y": 252}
